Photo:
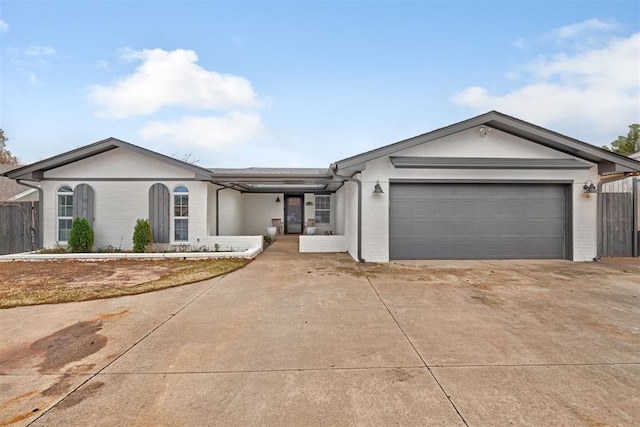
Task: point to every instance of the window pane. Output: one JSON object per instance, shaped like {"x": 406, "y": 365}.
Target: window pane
{"x": 323, "y": 202}
{"x": 323, "y": 217}
{"x": 64, "y": 227}
{"x": 181, "y": 231}
{"x": 323, "y": 209}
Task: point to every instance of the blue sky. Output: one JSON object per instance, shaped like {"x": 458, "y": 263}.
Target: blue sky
{"x": 294, "y": 83}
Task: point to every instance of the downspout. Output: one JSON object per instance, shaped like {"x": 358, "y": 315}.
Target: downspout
{"x": 224, "y": 187}
{"x": 40, "y": 210}
{"x": 600, "y": 213}
{"x": 334, "y": 172}
{"x": 218, "y": 209}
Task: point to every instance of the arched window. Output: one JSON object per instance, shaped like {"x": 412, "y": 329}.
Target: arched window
{"x": 65, "y": 212}
{"x": 181, "y": 214}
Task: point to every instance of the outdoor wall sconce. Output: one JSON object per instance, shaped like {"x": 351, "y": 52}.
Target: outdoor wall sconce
{"x": 589, "y": 188}
{"x": 278, "y": 199}
{"x": 309, "y": 203}
{"x": 377, "y": 189}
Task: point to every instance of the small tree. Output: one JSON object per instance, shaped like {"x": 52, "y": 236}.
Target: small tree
{"x": 80, "y": 236}
{"x": 142, "y": 235}
{"x": 629, "y": 144}
{"x": 5, "y": 155}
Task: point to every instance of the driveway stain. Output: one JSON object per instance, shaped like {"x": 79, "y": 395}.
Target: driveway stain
{"x": 70, "y": 344}
{"x": 81, "y": 394}
{"x": 106, "y": 316}
{"x": 50, "y": 355}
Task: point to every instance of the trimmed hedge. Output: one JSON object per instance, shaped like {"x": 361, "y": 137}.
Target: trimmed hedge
{"x": 81, "y": 236}
{"x": 142, "y": 235}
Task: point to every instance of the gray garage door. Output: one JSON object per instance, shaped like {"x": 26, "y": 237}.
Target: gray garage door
{"x": 477, "y": 221}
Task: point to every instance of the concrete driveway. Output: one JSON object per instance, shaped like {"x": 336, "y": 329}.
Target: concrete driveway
{"x": 306, "y": 339}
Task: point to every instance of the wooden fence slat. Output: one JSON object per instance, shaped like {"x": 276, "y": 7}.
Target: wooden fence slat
{"x": 617, "y": 227}
{"x": 18, "y": 227}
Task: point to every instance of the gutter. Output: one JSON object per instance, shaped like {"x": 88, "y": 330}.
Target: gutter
{"x": 40, "y": 210}
{"x": 334, "y": 172}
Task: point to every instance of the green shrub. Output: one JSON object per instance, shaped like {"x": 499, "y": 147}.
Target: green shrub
{"x": 80, "y": 236}
{"x": 142, "y": 235}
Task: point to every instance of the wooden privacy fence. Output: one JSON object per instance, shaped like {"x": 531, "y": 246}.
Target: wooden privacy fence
{"x": 19, "y": 227}
{"x": 619, "y": 230}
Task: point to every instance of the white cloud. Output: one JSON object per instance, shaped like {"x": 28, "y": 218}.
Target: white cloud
{"x": 103, "y": 65}
{"x": 39, "y": 51}
{"x": 170, "y": 78}
{"x": 594, "y": 93}
{"x": 4, "y": 27}
{"x": 33, "y": 78}
{"x": 211, "y": 132}
{"x": 580, "y": 28}
{"x": 520, "y": 43}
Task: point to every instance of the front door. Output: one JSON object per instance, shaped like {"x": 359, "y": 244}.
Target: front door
{"x": 293, "y": 214}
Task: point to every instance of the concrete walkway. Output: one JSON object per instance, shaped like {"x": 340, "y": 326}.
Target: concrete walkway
{"x": 316, "y": 339}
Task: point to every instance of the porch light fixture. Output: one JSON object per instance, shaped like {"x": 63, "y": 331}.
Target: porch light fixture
{"x": 377, "y": 189}
{"x": 278, "y": 199}
{"x": 309, "y": 203}
{"x": 589, "y": 188}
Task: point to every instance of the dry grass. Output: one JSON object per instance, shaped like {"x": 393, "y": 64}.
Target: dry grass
{"x": 49, "y": 282}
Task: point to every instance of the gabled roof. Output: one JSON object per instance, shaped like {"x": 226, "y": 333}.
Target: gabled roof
{"x": 35, "y": 171}
{"x": 607, "y": 161}
{"x": 246, "y": 179}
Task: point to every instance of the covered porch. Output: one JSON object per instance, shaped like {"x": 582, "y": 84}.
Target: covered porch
{"x": 304, "y": 204}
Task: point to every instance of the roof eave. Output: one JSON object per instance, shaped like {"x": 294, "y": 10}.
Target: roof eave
{"x": 35, "y": 171}
{"x": 506, "y": 124}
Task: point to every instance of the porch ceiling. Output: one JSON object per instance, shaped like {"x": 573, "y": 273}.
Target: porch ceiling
{"x": 277, "y": 180}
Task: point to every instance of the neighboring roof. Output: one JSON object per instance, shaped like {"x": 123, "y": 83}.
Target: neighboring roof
{"x": 635, "y": 156}
{"x": 35, "y": 171}
{"x": 9, "y": 188}
{"x": 608, "y": 162}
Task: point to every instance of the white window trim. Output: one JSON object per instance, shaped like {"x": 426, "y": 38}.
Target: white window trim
{"x": 58, "y": 217}
{"x": 177, "y": 192}
{"x": 316, "y": 209}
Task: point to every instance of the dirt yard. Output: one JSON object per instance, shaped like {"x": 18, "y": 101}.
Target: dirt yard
{"x": 49, "y": 282}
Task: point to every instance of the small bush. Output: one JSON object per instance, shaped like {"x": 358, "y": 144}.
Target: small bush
{"x": 141, "y": 235}
{"x": 57, "y": 249}
{"x": 80, "y": 236}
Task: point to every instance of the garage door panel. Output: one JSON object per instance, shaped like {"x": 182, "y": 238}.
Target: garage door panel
{"x": 477, "y": 221}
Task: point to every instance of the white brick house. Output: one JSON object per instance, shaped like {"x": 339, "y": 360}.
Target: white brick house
{"x": 489, "y": 187}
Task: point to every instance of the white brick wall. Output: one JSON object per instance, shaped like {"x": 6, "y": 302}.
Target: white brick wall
{"x": 118, "y": 163}
{"x": 351, "y": 217}
{"x": 323, "y": 243}
{"x": 339, "y": 210}
{"x": 230, "y": 213}
{"x": 117, "y": 206}
{"x": 375, "y": 208}
{"x": 118, "y": 203}
{"x": 236, "y": 243}
{"x": 259, "y": 209}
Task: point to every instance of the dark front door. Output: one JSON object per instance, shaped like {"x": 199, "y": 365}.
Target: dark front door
{"x": 293, "y": 214}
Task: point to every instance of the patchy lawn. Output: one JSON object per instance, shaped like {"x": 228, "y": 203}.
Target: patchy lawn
{"x": 49, "y": 282}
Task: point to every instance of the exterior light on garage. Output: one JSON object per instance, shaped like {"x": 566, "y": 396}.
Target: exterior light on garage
{"x": 589, "y": 188}
{"x": 377, "y": 189}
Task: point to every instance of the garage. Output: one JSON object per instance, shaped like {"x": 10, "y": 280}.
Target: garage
{"x": 479, "y": 221}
